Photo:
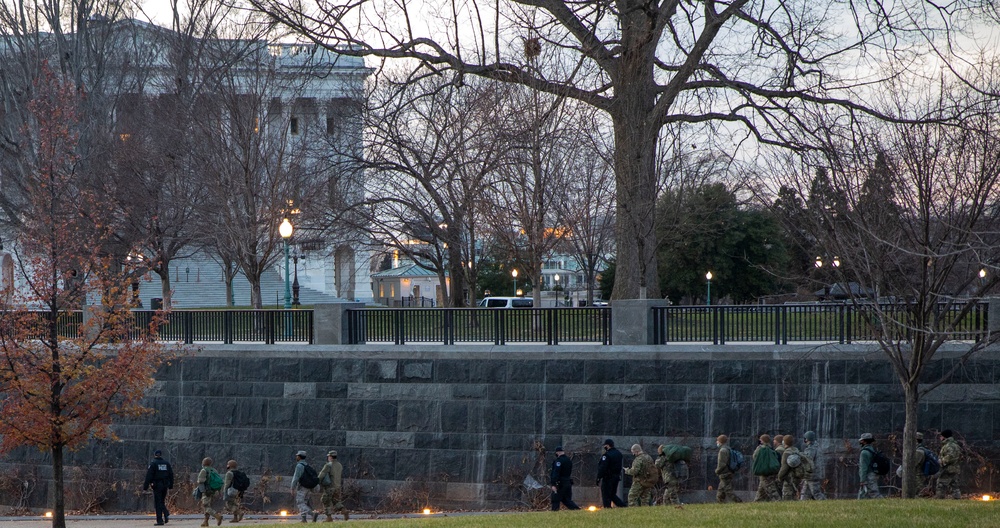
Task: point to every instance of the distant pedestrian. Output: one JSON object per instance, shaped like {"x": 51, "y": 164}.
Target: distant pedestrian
{"x": 159, "y": 477}
{"x": 210, "y": 483}
{"x": 644, "y": 477}
{"x": 561, "y": 481}
{"x": 724, "y": 493}
{"x": 951, "y": 461}
{"x": 767, "y": 489}
{"x": 672, "y": 473}
{"x": 793, "y": 467}
{"x": 331, "y": 479}
{"x": 779, "y": 444}
{"x": 233, "y": 496}
{"x": 609, "y": 475}
{"x": 866, "y": 474}
{"x": 304, "y": 479}
{"x": 812, "y": 488}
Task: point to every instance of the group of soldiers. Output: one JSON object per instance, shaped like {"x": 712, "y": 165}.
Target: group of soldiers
{"x": 794, "y": 474}
{"x": 160, "y": 478}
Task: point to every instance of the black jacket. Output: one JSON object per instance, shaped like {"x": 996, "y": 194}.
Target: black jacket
{"x": 159, "y": 474}
{"x": 562, "y": 467}
{"x": 610, "y": 466}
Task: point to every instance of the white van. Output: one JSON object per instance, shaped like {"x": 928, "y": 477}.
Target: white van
{"x": 506, "y": 302}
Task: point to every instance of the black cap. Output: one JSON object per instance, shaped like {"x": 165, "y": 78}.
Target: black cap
{"x": 609, "y": 442}
{"x": 157, "y": 453}
{"x": 559, "y": 448}
{"x": 946, "y": 433}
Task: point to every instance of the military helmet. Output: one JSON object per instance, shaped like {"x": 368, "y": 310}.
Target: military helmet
{"x": 810, "y": 436}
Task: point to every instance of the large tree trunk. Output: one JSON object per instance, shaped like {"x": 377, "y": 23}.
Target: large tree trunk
{"x": 59, "y": 491}
{"x": 255, "y": 298}
{"x": 456, "y": 268}
{"x": 911, "y": 398}
{"x": 163, "y": 271}
{"x": 636, "y": 131}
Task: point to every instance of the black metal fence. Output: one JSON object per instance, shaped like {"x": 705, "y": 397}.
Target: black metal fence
{"x": 233, "y": 326}
{"x": 781, "y": 324}
{"x": 448, "y": 326}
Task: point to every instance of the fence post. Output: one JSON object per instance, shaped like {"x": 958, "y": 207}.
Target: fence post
{"x": 632, "y": 321}
{"x": 840, "y": 323}
{"x": 549, "y": 329}
{"x": 332, "y": 324}
{"x": 269, "y": 327}
{"x": 188, "y": 327}
{"x": 227, "y": 327}
{"x": 399, "y": 322}
{"x": 449, "y": 326}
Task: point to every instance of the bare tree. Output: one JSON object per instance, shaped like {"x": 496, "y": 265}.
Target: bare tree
{"x": 914, "y": 225}
{"x": 755, "y": 64}
{"x": 430, "y": 152}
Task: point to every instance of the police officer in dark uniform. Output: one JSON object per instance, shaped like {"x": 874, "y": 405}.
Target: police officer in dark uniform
{"x": 560, "y": 481}
{"x": 160, "y": 476}
{"x": 609, "y": 474}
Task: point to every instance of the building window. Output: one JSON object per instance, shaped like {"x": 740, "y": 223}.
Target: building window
{"x": 331, "y": 125}
{"x": 293, "y": 126}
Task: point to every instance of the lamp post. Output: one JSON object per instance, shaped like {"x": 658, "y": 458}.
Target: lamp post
{"x": 513, "y": 273}
{"x": 285, "y": 230}
{"x": 295, "y": 275}
{"x": 708, "y": 289}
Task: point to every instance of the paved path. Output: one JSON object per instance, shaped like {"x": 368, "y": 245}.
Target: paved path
{"x": 187, "y": 521}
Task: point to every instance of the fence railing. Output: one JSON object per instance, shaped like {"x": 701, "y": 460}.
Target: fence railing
{"x": 781, "y": 324}
{"x": 448, "y": 326}
{"x": 778, "y": 324}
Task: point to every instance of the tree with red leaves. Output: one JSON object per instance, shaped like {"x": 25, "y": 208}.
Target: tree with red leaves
{"x": 63, "y": 383}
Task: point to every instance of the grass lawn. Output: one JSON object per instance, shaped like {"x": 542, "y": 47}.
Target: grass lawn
{"x": 833, "y": 514}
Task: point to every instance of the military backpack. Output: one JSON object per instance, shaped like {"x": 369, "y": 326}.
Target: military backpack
{"x": 240, "y": 480}
{"x": 931, "y": 463}
{"x": 766, "y": 463}
{"x": 214, "y": 481}
{"x": 736, "y": 460}
{"x": 309, "y": 478}
{"x": 880, "y": 463}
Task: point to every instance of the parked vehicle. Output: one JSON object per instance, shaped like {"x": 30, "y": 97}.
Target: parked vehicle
{"x": 506, "y": 302}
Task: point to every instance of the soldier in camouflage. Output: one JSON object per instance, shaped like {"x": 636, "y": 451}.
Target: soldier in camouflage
{"x": 725, "y": 490}
{"x": 812, "y": 488}
{"x": 867, "y": 476}
{"x": 789, "y": 476}
{"x": 767, "y": 489}
{"x": 951, "y": 459}
{"x": 671, "y": 478}
{"x": 641, "y": 492}
{"x": 331, "y": 479}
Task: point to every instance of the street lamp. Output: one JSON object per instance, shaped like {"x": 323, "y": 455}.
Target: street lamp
{"x": 285, "y": 230}
{"x": 513, "y": 273}
{"x": 708, "y": 290}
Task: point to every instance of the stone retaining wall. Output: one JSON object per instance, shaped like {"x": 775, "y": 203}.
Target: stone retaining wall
{"x": 463, "y": 426}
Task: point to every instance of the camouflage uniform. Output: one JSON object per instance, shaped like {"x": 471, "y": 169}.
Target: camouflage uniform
{"x": 812, "y": 488}
{"x": 332, "y": 497}
{"x": 951, "y": 458}
{"x": 672, "y": 481}
{"x": 767, "y": 489}
{"x": 207, "y": 496}
{"x": 641, "y": 492}
{"x": 725, "y": 490}
{"x": 234, "y": 500}
{"x": 788, "y": 476}
{"x": 868, "y": 478}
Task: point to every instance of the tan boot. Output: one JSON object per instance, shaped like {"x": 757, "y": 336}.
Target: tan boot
{"x": 206, "y": 521}
{"x": 346, "y": 516}
{"x": 329, "y": 518}
{"x": 218, "y": 519}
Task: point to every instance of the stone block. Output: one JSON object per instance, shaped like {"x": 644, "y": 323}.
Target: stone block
{"x": 267, "y": 390}
{"x": 468, "y": 392}
{"x": 583, "y": 393}
{"x": 377, "y": 371}
{"x": 732, "y": 372}
{"x": 973, "y": 422}
{"x": 284, "y": 370}
{"x": 200, "y": 389}
{"x": 239, "y": 389}
{"x": 521, "y": 392}
{"x": 643, "y": 419}
{"x": 885, "y": 393}
{"x": 178, "y": 434}
{"x": 224, "y": 369}
{"x": 380, "y": 415}
{"x": 527, "y": 371}
{"x": 194, "y": 369}
{"x": 686, "y": 371}
{"x": 563, "y": 417}
{"x": 381, "y": 461}
{"x": 419, "y": 416}
{"x": 563, "y": 371}
{"x": 282, "y": 414}
{"x": 486, "y": 417}
{"x": 488, "y": 371}
{"x": 452, "y": 371}
{"x": 666, "y": 393}
{"x": 314, "y": 414}
{"x": 299, "y": 390}
{"x": 983, "y": 393}
{"x": 627, "y": 393}
{"x": 752, "y": 393}
{"x": 454, "y": 417}
{"x": 465, "y": 492}
{"x": 347, "y": 370}
{"x": 450, "y": 466}
{"x": 330, "y": 322}
{"x": 364, "y": 391}
{"x": 603, "y": 418}
{"x": 317, "y": 370}
{"x": 346, "y": 415}
{"x": 520, "y": 418}
{"x": 222, "y": 412}
{"x": 253, "y": 369}
{"x": 396, "y": 440}
{"x": 417, "y": 371}
{"x": 947, "y": 393}
{"x": 192, "y": 412}
{"x": 604, "y": 371}
{"x": 331, "y": 390}
{"x": 871, "y": 372}
{"x": 632, "y": 321}
{"x": 415, "y": 464}
{"x": 362, "y": 439}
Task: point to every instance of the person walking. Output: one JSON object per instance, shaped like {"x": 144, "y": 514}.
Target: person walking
{"x": 609, "y": 475}
{"x": 951, "y": 459}
{"x": 304, "y": 479}
{"x": 724, "y": 493}
{"x": 866, "y": 474}
{"x": 793, "y": 466}
{"x": 210, "y": 482}
{"x": 159, "y": 477}
{"x": 644, "y": 475}
{"x": 767, "y": 489}
{"x": 671, "y": 474}
{"x": 812, "y": 488}
{"x": 561, "y": 481}
{"x": 233, "y": 496}
{"x": 331, "y": 483}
